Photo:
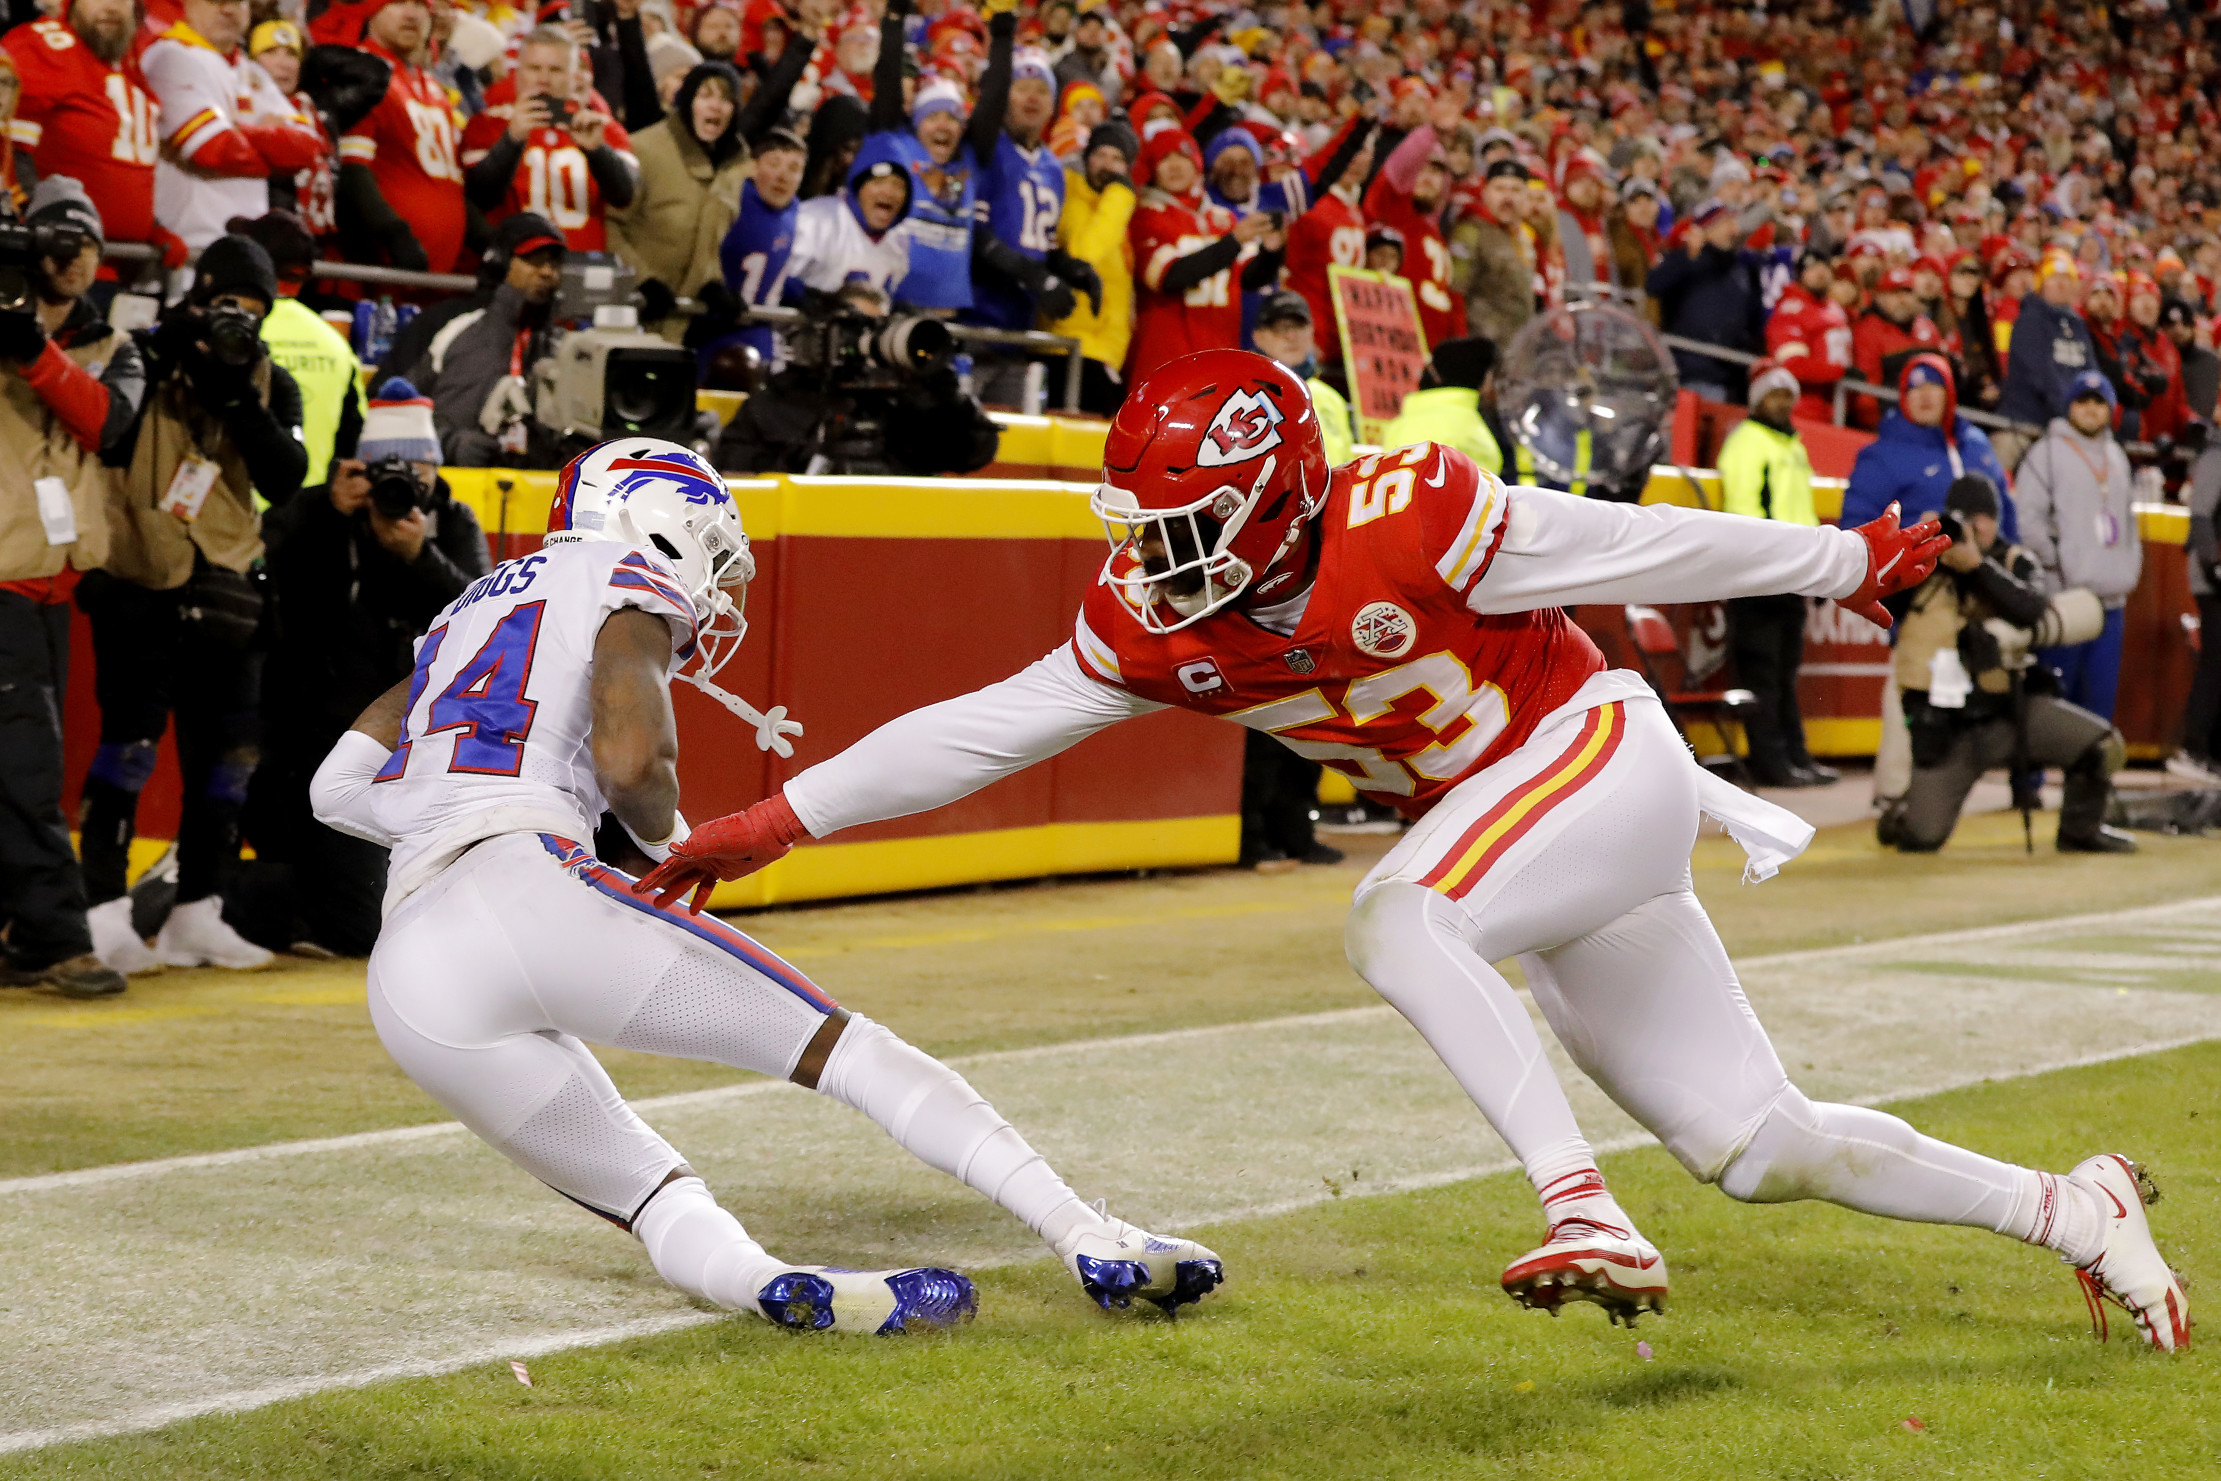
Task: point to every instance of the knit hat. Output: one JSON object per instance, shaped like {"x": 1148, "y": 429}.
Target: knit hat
{"x": 1033, "y": 63}
{"x": 2056, "y": 264}
{"x": 1463, "y": 362}
{"x": 938, "y": 96}
{"x": 1767, "y": 377}
{"x": 1161, "y": 141}
{"x": 1896, "y": 280}
{"x": 398, "y": 424}
{"x": 274, "y": 36}
{"x": 61, "y": 200}
{"x": 1114, "y": 133}
{"x": 2092, "y": 383}
{"x": 1972, "y": 493}
{"x": 235, "y": 264}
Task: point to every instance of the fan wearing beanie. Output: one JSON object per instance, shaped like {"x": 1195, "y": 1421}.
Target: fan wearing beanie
{"x": 175, "y": 613}
{"x": 1765, "y": 473}
{"x": 357, "y": 570}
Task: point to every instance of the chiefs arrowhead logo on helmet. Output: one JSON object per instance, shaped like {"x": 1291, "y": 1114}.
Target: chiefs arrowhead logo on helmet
{"x": 1247, "y": 425}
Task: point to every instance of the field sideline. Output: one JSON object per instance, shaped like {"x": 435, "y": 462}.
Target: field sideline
{"x": 397, "y": 1246}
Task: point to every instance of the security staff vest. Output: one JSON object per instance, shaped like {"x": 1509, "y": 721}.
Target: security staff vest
{"x": 319, "y": 358}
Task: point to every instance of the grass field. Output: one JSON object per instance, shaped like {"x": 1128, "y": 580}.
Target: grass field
{"x": 1360, "y": 1336}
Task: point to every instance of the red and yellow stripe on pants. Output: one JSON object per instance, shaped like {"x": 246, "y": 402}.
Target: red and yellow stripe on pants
{"x": 1467, "y": 861}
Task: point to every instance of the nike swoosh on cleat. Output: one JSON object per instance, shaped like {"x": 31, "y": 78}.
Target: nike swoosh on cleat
{"x": 2119, "y": 1210}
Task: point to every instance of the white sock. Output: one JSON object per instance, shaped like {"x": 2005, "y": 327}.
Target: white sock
{"x": 940, "y": 1119}
{"x": 700, "y": 1248}
{"x": 2059, "y": 1215}
{"x": 1570, "y": 1187}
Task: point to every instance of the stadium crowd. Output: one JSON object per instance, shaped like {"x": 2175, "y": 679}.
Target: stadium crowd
{"x": 2014, "y": 210}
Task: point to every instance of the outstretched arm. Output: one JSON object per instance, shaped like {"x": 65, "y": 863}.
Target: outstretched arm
{"x": 921, "y": 761}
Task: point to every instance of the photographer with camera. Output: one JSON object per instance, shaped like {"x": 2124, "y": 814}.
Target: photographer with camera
{"x": 478, "y": 368}
{"x": 176, "y": 612}
{"x": 69, "y": 391}
{"x": 358, "y": 570}
{"x": 1974, "y": 697}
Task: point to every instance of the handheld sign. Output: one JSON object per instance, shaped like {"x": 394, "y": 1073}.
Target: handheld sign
{"x": 1383, "y": 345}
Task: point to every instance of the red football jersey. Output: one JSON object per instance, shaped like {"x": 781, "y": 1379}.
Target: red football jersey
{"x": 552, "y": 179}
{"x": 1811, "y": 337}
{"x": 1389, "y": 677}
{"x": 81, "y": 117}
{"x": 1207, "y": 316}
{"x": 1426, "y": 258}
{"x": 409, "y": 142}
{"x": 1331, "y": 232}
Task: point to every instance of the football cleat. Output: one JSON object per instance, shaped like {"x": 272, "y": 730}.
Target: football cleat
{"x": 1618, "y": 1269}
{"x": 1117, "y": 1263}
{"x": 2129, "y": 1270}
{"x": 824, "y": 1298}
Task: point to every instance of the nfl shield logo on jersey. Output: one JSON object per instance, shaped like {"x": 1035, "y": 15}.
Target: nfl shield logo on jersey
{"x": 1246, "y": 425}
{"x": 1299, "y": 660}
{"x": 1384, "y": 630}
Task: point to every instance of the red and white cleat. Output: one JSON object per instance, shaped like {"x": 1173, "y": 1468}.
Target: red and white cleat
{"x": 1618, "y": 1269}
{"x": 2129, "y": 1270}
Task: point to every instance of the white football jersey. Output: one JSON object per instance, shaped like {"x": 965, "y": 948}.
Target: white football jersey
{"x": 496, "y": 737}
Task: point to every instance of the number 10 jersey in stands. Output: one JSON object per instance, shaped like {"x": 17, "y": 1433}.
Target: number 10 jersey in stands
{"x": 496, "y": 738}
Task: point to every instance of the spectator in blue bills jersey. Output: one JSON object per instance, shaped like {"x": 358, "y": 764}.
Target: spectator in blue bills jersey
{"x": 1236, "y": 177}
{"x": 754, "y": 256}
{"x": 943, "y": 150}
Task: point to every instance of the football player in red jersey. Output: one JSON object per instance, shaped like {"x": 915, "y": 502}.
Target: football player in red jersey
{"x": 1402, "y": 619}
{"x": 518, "y": 156}
{"x": 400, "y": 183}
{"x": 86, "y": 113}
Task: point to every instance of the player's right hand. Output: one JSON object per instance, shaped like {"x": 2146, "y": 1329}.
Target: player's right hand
{"x": 1896, "y": 560}
{"x": 731, "y": 847}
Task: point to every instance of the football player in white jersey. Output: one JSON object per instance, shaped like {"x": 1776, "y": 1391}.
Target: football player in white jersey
{"x": 541, "y": 699}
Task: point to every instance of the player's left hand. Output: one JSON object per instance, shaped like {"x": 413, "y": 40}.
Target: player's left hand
{"x": 731, "y": 847}
{"x": 1896, "y": 560}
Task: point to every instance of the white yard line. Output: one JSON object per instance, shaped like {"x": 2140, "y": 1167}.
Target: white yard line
{"x": 147, "y": 1292}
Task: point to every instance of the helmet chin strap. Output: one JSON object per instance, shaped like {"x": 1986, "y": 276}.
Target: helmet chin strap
{"x": 772, "y": 730}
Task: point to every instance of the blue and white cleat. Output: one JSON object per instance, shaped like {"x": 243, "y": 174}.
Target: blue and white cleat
{"x": 824, "y": 1298}
{"x": 1115, "y": 1263}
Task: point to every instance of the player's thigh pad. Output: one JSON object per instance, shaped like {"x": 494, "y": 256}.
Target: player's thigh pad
{"x": 596, "y": 960}
{"x": 1593, "y": 815}
{"x": 1648, "y": 1006}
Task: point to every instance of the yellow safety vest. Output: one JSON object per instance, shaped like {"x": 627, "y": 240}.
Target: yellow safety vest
{"x": 1766, "y": 473}
{"x": 319, "y": 358}
{"x": 1335, "y": 428}
{"x": 1450, "y": 415}
{"x": 1525, "y": 460}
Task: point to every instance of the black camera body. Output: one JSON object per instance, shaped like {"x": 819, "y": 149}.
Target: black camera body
{"x": 560, "y": 110}
{"x": 395, "y": 490}
{"x": 858, "y": 352}
{"x": 233, "y": 336}
{"x": 24, "y": 252}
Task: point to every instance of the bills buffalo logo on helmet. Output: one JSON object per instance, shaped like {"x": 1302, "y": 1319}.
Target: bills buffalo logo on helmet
{"x": 1246, "y": 425}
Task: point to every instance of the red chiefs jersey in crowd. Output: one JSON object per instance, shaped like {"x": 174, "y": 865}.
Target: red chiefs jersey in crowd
{"x": 1206, "y": 316}
{"x": 409, "y": 141}
{"x": 82, "y": 117}
{"x": 1811, "y": 338}
{"x": 552, "y": 178}
{"x": 1331, "y": 232}
{"x": 1877, "y": 348}
{"x": 1389, "y": 676}
{"x": 1426, "y": 258}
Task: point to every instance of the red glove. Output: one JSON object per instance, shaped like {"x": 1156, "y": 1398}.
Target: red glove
{"x": 730, "y": 847}
{"x": 172, "y": 246}
{"x": 1896, "y": 560}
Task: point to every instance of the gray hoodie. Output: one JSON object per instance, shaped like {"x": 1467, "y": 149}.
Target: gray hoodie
{"x": 2074, "y": 494}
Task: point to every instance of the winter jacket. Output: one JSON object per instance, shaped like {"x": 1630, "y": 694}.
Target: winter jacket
{"x": 1092, "y": 228}
{"x": 2051, "y": 346}
{"x": 1450, "y": 415}
{"x": 676, "y": 221}
{"x": 1765, "y": 473}
{"x": 1914, "y": 465}
{"x": 2074, "y": 492}
{"x": 1712, "y": 297}
{"x": 1498, "y": 282}
{"x": 472, "y": 357}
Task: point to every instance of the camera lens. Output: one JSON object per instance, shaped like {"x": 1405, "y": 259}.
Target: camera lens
{"x": 917, "y": 345}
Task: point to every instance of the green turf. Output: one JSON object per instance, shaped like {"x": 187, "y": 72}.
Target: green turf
{"x": 1364, "y": 1338}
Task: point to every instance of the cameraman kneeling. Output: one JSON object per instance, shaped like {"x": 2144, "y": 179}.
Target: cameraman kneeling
{"x": 358, "y": 570}
{"x": 1971, "y": 694}
{"x": 177, "y": 609}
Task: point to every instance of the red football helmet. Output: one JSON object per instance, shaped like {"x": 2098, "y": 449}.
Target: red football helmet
{"x": 1212, "y": 467}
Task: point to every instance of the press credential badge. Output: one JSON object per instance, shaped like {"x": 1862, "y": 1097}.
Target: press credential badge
{"x": 56, "y": 512}
{"x": 189, "y": 488}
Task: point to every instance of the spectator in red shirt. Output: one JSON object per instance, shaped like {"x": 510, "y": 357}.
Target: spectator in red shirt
{"x": 1809, "y": 336}
{"x": 2151, "y": 363}
{"x": 519, "y": 156}
{"x": 1188, "y": 252}
{"x": 277, "y": 48}
{"x": 1332, "y": 232}
{"x": 86, "y": 113}
{"x": 400, "y": 183}
{"x": 1408, "y": 195}
{"x": 1888, "y": 334}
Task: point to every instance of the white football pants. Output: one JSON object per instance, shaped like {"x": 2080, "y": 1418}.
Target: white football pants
{"x": 485, "y": 981}
{"x": 1572, "y": 855}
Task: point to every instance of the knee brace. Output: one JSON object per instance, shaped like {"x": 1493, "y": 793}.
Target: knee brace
{"x": 123, "y": 765}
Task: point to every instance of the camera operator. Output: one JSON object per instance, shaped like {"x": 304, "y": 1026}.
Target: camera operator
{"x": 866, "y": 397}
{"x": 1973, "y": 700}
{"x": 478, "y": 368}
{"x": 69, "y": 391}
{"x": 176, "y": 613}
{"x": 358, "y": 569}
